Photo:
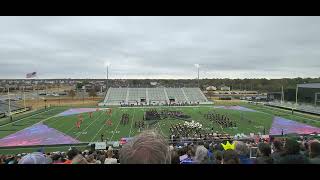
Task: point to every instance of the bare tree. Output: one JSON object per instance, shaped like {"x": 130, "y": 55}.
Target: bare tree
{"x": 93, "y": 93}
{"x": 72, "y": 94}
{"x": 210, "y": 93}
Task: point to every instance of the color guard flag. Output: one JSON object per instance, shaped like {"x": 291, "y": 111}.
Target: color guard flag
{"x": 109, "y": 122}
{"x": 78, "y": 124}
{"x": 31, "y": 75}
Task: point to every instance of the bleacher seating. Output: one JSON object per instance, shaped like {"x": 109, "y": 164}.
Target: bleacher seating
{"x": 177, "y": 94}
{"x": 156, "y": 94}
{"x": 136, "y": 93}
{"x": 4, "y": 106}
{"x": 300, "y": 106}
{"x": 115, "y": 96}
{"x": 194, "y": 95}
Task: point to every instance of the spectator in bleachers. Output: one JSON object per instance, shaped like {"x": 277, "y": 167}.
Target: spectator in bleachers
{"x": 314, "y": 152}
{"x": 243, "y": 151}
{"x": 110, "y": 159}
{"x": 91, "y": 159}
{"x": 292, "y": 153}
{"x": 175, "y": 157}
{"x": 218, "y": 157}
{"x": 71, "y": 154}
{"x": 148, "y": 147}
{"x": 277, "y": 151}
{"x": 201, "y": 156}
{"x": 230, "y": 157}
{"x": 2, "y": 158}
{"x": 264, "y": 150}
{"x": 189, "y": 156}
{"x": 34, "y": 158}
{"x": 209, "y": 147}
{"x": 79, "y": 159}
{"x": 56, "y": 158}
{"x": 102, "y": 157}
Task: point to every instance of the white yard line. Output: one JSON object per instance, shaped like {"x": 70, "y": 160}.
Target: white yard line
{"x": 54, "y": 122}
{"x": 131, "y": 123}
{"x": 160, "y": 129}
{"x": 97, "y": 133}
{"x": 69, "y": 130}
{"x": 46, "y": 119}
{"x": 114, "y": 131}
{"x": 90, "y": 124}
{"x": 99, "y": 130}
{"x": 25, "y": 118}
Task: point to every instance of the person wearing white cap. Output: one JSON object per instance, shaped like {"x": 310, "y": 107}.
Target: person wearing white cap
{"x": 34, "y": 158}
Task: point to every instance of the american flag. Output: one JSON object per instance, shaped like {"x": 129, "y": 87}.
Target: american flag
{"x": 31, "y": 75}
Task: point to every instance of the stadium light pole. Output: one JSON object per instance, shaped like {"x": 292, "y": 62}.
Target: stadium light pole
{"x": 9, "y": 103}
{"x": 24, "y": 98}
{"x": 107, "y": 64}
{"x": 107, "y": 77}
{"x": 197, "y": 66}
{"x": 297, "y": 88}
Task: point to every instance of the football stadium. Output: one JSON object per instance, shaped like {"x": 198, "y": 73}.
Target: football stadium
{"x": 157, "y": 120}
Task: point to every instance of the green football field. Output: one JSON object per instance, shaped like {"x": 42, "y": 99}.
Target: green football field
{"x": 92, "y": 128}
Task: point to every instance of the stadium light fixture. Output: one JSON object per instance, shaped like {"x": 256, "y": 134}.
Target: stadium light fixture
{"x": 106, "y": 63}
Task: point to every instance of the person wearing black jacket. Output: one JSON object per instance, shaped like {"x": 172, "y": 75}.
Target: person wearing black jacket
{"x": 292, "y": 154}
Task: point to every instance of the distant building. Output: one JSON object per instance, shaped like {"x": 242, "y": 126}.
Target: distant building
{"x": 225, "y": 88}
{"x": 153, "y": 83}
{"x": 211, "y": 88}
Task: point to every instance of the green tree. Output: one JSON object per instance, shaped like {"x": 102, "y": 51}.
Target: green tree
{"x": 79, "y": 85}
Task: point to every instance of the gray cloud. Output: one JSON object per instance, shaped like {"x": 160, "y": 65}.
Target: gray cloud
{"x": 160, "y": 47}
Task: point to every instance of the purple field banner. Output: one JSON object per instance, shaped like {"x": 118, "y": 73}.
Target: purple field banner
{"x": 290, "y": 126}
{"x": 38, "y": 134}
{"x": 73, "y": 111}
{"x": 239, "y": 108}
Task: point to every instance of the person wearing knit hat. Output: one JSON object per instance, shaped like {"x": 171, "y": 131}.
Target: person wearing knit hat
{"x": 33, "y": 158}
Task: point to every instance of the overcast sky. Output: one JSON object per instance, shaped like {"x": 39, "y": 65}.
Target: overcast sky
{"x": 160, "y": 47}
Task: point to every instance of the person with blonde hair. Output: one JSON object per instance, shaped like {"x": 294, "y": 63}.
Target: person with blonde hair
{"x": 110, "y": 159}
{"x": 201, "y": 156}
{"x": 149, "y": 147}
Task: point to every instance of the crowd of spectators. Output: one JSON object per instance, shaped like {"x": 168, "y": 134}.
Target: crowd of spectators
{"x": 149, "y": 147}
